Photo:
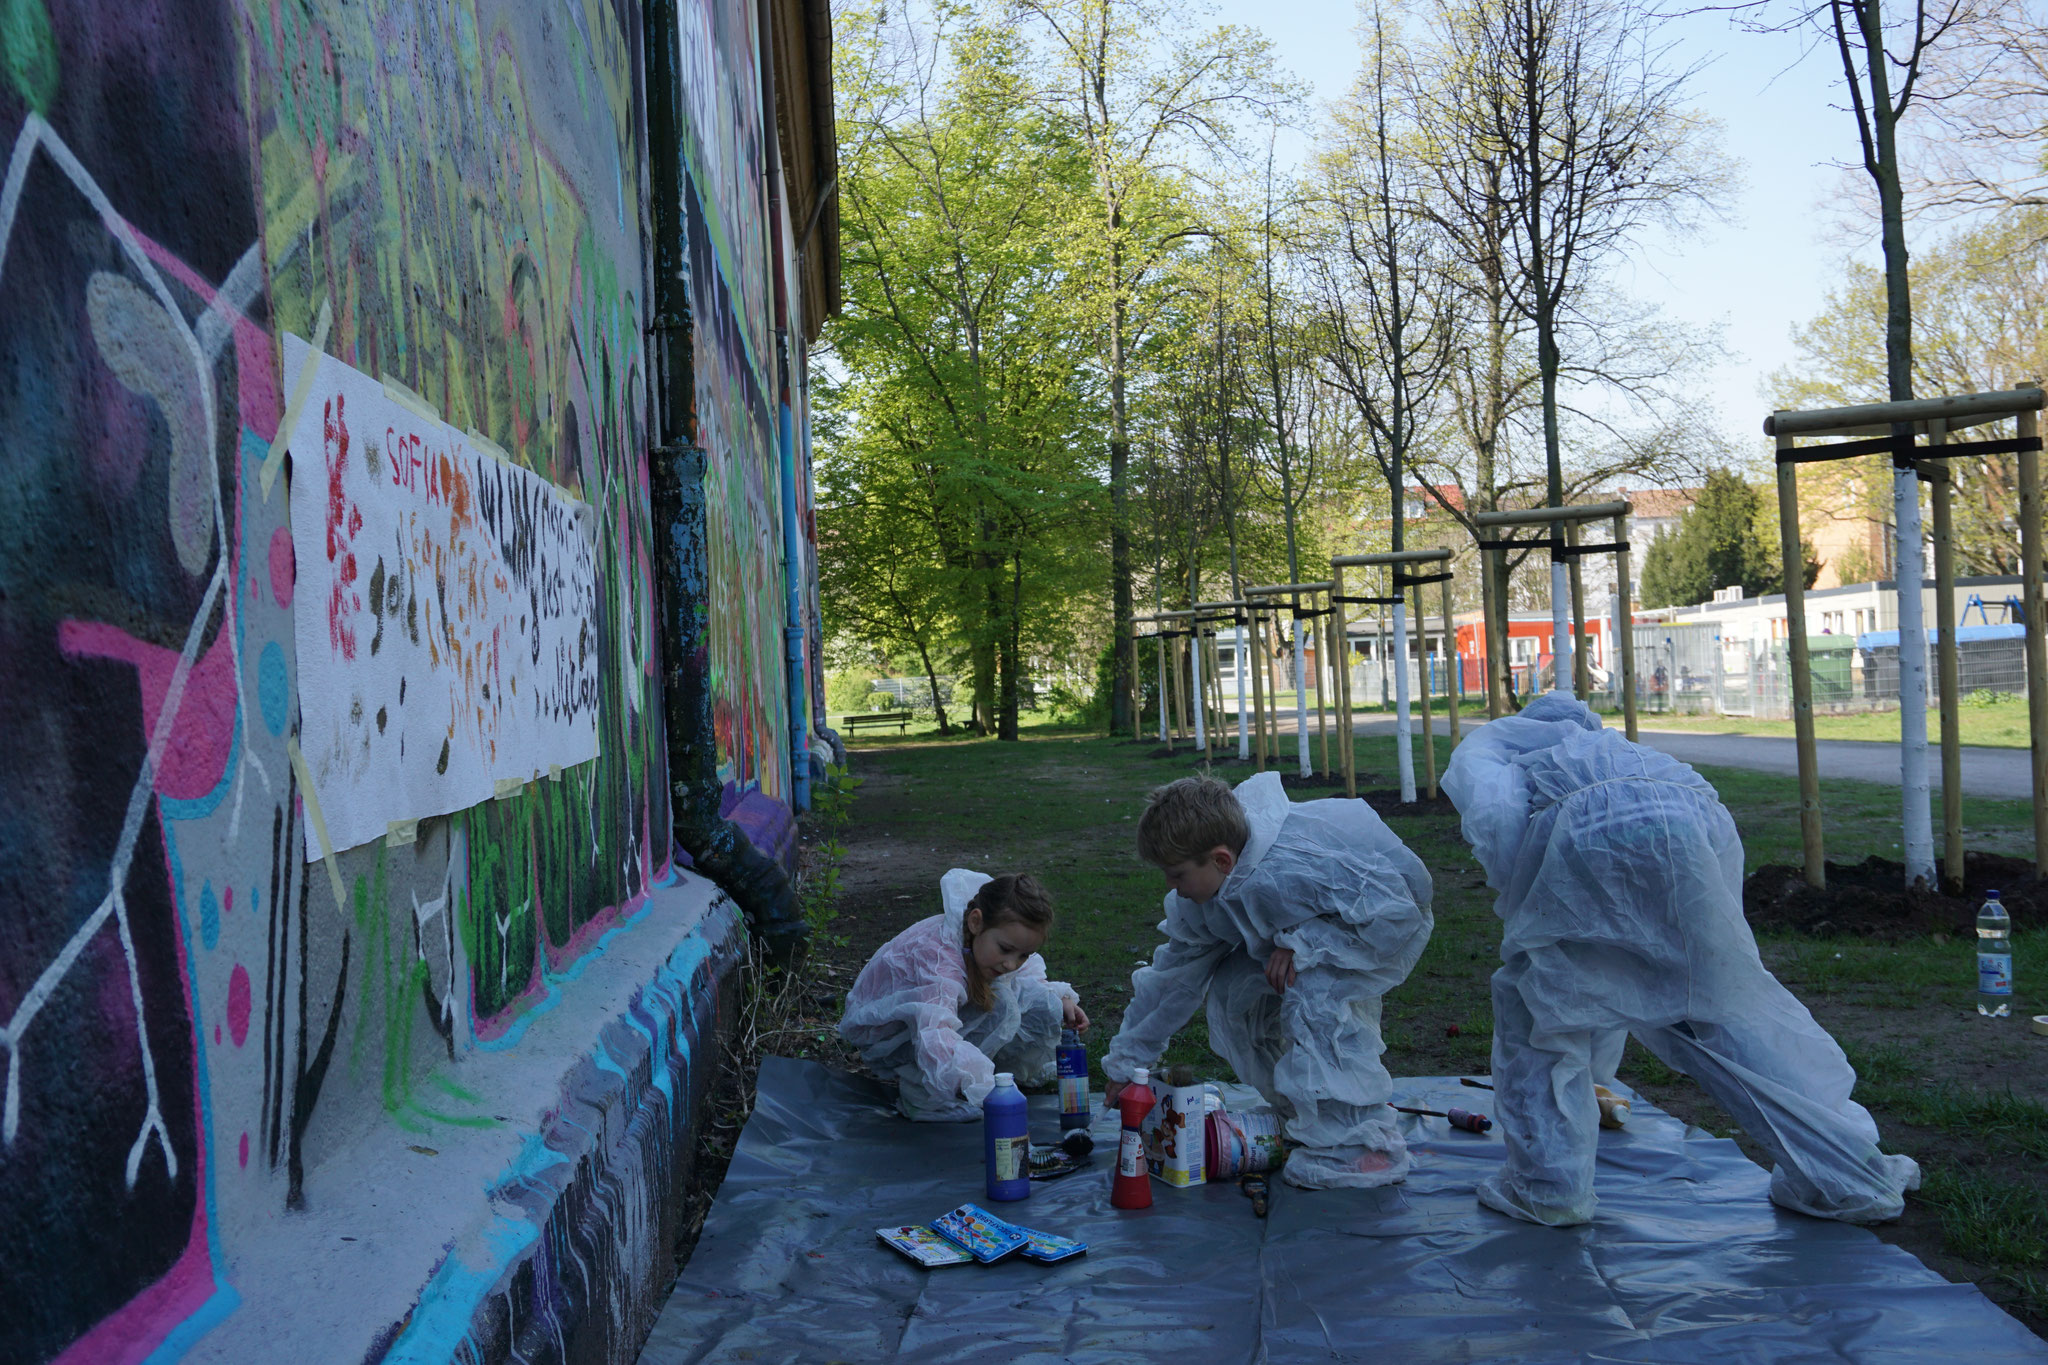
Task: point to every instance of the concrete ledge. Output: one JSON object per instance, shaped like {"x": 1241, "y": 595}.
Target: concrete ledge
{"x": 547, "y": 1235}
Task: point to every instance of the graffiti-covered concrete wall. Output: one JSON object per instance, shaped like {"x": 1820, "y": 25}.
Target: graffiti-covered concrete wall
{"x": 271, "y": 1092}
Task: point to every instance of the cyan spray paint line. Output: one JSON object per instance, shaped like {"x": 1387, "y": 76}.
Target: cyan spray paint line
{"x": 225, "y": 1298}
{"x": 550, "y": 993}
{"x": 301, "y": 389}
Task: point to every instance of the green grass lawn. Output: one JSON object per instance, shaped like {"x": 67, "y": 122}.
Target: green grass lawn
{"x": 1858, "y": 819}
{"x": 1990, "y": 719}
{"x": 1965, "y": 1095}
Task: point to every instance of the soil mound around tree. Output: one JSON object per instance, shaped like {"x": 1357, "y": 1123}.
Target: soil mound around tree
{"x": 1323, "y": 782}
{"x": 1387, "y": 801}
{"x": 1870, "y": 899}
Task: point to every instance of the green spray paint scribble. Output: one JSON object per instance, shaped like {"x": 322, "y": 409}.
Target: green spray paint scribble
{"x": 31, "y": 49}
{"x": 394, "y": 984}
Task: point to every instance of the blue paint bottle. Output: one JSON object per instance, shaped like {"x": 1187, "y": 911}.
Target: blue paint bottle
{"x": 1073, "y": 1065}
{"x": 1006, "y": 1140}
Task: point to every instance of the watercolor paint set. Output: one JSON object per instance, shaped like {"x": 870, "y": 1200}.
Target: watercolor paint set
{"x": 971, "y": 1233}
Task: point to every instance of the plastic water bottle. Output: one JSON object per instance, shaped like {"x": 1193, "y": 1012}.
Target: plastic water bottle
{"x": 1006, "y": 1140}
{"x": 1073, "y": 1067}
{"x": 1994, "y": 959}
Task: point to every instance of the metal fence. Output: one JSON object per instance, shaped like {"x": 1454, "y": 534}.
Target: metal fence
{"x": 1695, "y": 670}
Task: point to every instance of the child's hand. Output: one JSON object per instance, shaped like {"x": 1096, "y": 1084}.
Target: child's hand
{"x": 1280, "y": 969}
{"x": 1073, "y": 1016}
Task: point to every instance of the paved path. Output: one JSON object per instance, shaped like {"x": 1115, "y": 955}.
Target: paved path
{"x": 1986, "y": 771}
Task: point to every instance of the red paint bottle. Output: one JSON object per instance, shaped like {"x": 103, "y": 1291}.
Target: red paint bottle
{"x": 1132, "y": 1187}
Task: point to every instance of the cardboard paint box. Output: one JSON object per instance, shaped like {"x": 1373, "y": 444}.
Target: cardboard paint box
{"x": 1174, "y": 1137}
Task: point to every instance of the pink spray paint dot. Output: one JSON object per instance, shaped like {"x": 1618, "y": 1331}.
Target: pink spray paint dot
{"x": 238, "y": 1003}
{"x": 216, "y": 1035}
{"x": 283, "y": 567}
{"x": 245, "y": 1151}
{"x": 227, "y": 899}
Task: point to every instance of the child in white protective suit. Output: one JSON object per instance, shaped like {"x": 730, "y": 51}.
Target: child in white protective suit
{"x": 1293, "y": 920}
{"x": 1619, "y": 875}
{"x": 953, "y": 999}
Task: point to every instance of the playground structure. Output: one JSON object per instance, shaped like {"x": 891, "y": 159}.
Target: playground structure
{"x": 1394, "y": 561}
{"x": 1563, "y": 544}
{"x": 1891, "y": 429}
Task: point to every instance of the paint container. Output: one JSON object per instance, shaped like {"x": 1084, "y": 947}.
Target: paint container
{"x": 1243, "y": 1143}
{"x": 1006, "y": 1141}
{"x": 1131, "y": 1188}
{"x": 1073, "y": 1068}
{"x": 1613, "y": 1108}
{"x": 1174, "y": 1139}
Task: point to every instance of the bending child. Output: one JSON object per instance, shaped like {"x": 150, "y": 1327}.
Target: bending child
{"x": 1620, "y": 881}
{"x": 1293, "y": 920}
{"x": 953, "y": 999}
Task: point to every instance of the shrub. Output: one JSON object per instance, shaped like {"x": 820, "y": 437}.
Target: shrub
{"x": 849, "y": 691}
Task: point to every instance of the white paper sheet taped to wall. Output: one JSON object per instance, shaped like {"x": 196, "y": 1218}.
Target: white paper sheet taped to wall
{"x": 446, "y": 611}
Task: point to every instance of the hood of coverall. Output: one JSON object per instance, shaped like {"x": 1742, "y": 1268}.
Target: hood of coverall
{"x": 1489, "y": 787}
{"x": 956, "y": 889}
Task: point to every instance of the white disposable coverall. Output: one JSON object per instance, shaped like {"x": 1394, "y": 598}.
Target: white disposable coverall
{"x": 909, "y": 1015}
{"x": 1619, "y": 875}
{"x": 1328, "y": 880}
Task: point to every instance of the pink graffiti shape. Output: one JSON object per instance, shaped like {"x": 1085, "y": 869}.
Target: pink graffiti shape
{"x": 196, "y": 756}
{"x": 245, "y": 1151}
{"x": 344, "y": 519}
{"x": 238, "y": 1004}
{"x": 283, "y": 568}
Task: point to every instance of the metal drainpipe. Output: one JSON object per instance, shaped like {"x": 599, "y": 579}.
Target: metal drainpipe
{"x": 819, "y": 727}
{"x": 793, "y": 616}
{"x": 719, "y": 849}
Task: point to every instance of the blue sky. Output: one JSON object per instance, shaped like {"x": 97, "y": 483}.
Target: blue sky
{"x": 1759, "y": 273}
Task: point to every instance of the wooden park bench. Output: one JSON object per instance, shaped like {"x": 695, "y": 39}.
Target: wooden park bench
{"x": 899, "y": 719}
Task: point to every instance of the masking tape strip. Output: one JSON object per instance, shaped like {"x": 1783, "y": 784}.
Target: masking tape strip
{"x": 554, "y": 772}
{"x": 291, "y": 748}
{"x": 303, "y": 386}
{"x": 407, "y": 399}
{"x": 401, "y": 832}
{"x": 509, "y": 786}
{"x": 489, "y": 447}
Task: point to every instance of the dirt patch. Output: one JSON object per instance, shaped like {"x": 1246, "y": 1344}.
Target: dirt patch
{"x": 1387, "y": 801}
{"x": 1870, "y": 898}
{"x": 1323, "y": 782}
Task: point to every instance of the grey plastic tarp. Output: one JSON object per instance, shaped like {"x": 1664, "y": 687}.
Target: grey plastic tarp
{"x": 1686, "y": 1259}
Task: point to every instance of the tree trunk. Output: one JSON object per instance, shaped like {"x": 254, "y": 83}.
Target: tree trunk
{"x": 1012, "y": 664}
{"x": 1119, "y": 498}
{"x": 931, "y": 677}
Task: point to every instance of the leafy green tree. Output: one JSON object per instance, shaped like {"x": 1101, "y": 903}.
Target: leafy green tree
{"x": 1979, "y": 297}
{"x": 1151, "y": 95}
{"x": 1727, "y": 539}
{"x": 956, "y": 495}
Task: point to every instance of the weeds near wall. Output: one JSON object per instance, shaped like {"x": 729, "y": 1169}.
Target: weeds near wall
{"x": 786, "y": 1009}
{"x": 818, "y": 882}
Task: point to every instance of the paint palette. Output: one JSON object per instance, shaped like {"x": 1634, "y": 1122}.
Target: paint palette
{"x": 988, "y": 1237}
{"x": 1044, "y": 1246}
{"x": 923, "y": 1246}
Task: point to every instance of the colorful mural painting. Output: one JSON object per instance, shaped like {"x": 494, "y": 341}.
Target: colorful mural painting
{"x": 442, "y": 199}
{"x": 736, "y": 428}
{"x": 726, "y": 197}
